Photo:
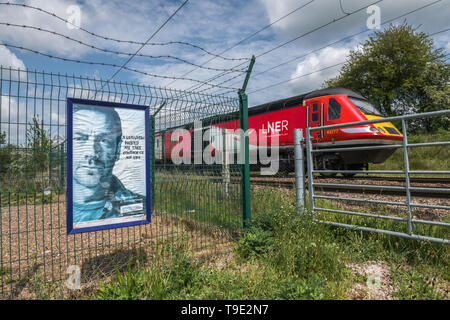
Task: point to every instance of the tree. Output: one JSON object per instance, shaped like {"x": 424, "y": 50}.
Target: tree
{"x": 400, "y": 71}
{"x": 5, "y": 156}
{"x": 39, "y": 145}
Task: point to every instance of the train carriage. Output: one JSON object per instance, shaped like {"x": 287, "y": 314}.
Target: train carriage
{"x": 273, "y": 126}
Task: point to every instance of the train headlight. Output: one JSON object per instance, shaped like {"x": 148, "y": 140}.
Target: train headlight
{"x": 373, "y": 129}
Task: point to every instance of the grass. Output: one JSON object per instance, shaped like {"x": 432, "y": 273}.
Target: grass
{"x": 284, "y": 255}
{"x": 27, "y": 191}
{"x": 198, "y": 199}
{"x": 420, "y": 158}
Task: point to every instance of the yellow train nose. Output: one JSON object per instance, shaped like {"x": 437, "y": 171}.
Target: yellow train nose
{"x": 386, "y": 128}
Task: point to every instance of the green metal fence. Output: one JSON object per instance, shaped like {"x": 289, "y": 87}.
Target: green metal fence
{"x": 193, "y": 207}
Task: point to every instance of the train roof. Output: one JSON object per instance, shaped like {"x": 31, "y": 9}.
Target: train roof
{"x": 298, "y": 100}
{"x": 333, "y": 91}
{"x": 277, "y": 105}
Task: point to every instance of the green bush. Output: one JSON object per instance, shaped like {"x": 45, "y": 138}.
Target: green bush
{"x": 135, "y": 285}
{"x": 255, "y": 242}
{"x": 183, "y": 272}
{"x": 295, "y": 246}
{"x": 293, "y": 288}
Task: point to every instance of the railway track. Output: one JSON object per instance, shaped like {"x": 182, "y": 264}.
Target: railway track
{"x": 442, "y": 180}
{"x": 433, "y": 187}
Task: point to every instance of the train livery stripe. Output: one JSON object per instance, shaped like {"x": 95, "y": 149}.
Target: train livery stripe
{"x": 357, "y": 130}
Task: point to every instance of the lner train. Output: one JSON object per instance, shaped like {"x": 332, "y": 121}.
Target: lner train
{"x": 278, "y": 119}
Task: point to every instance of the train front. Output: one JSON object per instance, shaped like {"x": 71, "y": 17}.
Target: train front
{"x": 335, "y": 106}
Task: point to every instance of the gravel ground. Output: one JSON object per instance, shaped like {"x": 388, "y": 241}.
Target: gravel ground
{"x": 367, "y": 181}
{"x": 378, "y": 284}
{"x": 397, "y": 210}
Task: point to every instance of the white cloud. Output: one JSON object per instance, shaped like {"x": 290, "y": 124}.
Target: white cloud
{"x": 9, "y": 59}
{"x": 9, "y": 109}
{"x": 321, "y": 12}
{"x": 314, "y": 15}
{"x": 215, "y": 25}
{"x": 34, "y": 39}
{"x": 9, "y": 112}
{"x": 328, "y": 57}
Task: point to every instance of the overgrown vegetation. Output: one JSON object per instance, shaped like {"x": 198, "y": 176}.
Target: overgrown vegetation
{"x": 196, "y": 198}
{"x": 27, "y": 170}
{"x": 283, "y": 255}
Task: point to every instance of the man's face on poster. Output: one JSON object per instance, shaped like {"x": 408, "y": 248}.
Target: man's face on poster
{"x": 96, "y": 147}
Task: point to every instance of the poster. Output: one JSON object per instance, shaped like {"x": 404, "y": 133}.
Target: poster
{"x": 108, "y": 164}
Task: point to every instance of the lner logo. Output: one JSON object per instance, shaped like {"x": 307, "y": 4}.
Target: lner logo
{"x": 275, "y": 127}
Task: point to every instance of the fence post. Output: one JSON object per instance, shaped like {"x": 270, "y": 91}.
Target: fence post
{"x": 310, "y": 167}
{"x": 245, "y": 167}
{"x": 245, "y": 158}
{"x": 225, "y": 163}
{"x": 299, "y": 170}
{"x": 152, "y": 151}
{"x": 407, "y": 180}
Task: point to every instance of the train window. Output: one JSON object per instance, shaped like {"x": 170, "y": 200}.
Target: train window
{"x": 315, "y": 107}
{"x": 334, "y": 109}
{"x": 365, "y": 106}
{"x": 315, "y": 117}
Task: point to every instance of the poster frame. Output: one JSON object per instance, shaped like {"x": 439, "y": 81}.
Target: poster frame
{"x": 69, "y": 114}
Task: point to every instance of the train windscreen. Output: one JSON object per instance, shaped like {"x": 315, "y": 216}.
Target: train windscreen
{"x": 365, "y": 106}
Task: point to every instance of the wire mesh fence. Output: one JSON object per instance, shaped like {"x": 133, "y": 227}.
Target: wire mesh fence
{"x": 194, "y": 205}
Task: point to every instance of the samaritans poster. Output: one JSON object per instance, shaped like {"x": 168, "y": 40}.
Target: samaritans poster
{"x": 108, "y": 178}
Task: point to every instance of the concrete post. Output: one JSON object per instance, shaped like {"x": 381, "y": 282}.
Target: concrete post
{"x": 299, "y": 170}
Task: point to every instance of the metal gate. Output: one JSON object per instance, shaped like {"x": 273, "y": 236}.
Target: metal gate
{"x": 400, "y": 215}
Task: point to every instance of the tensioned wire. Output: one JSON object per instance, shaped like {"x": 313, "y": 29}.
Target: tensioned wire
{"x": 111, "y": 65}
{"x": 196, "y": 87}
{"x": 289, "y": 41}
{"x": 120, "y": 40}
{"x": 330, "y": 44}
{"x": 322, "y": 69}
{"x": 248, "y": 37}
{"x": 8, "y": 24}
{"x": 148, "y": 40}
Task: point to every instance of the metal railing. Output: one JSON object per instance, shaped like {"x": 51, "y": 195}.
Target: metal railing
{"x": 408, "y": 191}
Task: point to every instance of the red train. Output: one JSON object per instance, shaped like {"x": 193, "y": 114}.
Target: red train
{"x": 278, "y": 119}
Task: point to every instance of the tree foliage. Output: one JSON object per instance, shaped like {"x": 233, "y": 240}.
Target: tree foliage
{"x": 33, "y": 158}
{"x": 4, "y": 154}
{"x": 400, "y": 71}
{"x": 39, "y": 145}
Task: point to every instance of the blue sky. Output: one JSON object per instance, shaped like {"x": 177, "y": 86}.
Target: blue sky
{"x": 215, "y": 26}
